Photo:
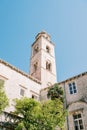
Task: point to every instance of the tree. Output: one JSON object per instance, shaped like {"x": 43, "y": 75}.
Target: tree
{"x": 29, "y": 109}
{"x": 40, "y": 116}
{"x": 54, "y": 113}
{"x": 20, "y": 126}
{"x": 3, "y": 97}
{"x": 55, "y": 92}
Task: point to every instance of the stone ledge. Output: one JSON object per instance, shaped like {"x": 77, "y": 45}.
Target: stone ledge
{"x": 19, "y": 71}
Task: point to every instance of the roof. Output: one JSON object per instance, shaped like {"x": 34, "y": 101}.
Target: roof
{"x": 45, "y": 35}
{"x": 42, "y": 33}
{"x": 69, "y": 79}
{"x": 74, "y": 77}
{"x": 19, "y": 71}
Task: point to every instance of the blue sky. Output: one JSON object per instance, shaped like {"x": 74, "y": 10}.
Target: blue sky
{"x": 64, "y": 20}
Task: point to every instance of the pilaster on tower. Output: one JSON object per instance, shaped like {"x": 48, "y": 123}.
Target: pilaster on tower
{"x": 42, "y": 64}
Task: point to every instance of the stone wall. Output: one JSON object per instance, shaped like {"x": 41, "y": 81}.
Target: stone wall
{"x": 76, "y": 102}
{"x": 15, "y": 81}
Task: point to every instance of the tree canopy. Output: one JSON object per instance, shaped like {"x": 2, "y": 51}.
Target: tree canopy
{"x": 40, "y": 116}
{"x": 29, "y": 109}
{"x": 3, "y": 97}
{"x": 55, "y": 92}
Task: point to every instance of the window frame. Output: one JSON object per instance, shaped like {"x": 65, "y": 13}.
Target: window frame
{"x": 47, "y": 49}
{"x": 35, "y": 66}
{"x": 72, "y": 88}
{"x": 34, "y": 96}
{"x": 48, "y": 66}
{"x": 22, "y": 92}
{"x": 35, "y": 49}
{"x": 78, "y": 121}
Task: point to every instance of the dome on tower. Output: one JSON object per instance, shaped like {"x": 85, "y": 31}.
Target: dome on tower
{"x": 43, "y": 34}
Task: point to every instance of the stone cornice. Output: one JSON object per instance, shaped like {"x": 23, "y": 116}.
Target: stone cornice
{"x": 75, "y": 102}
{"x": 44, "y": 38}
{"x": 19, "y": 71}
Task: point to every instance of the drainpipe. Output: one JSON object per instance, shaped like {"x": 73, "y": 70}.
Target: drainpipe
{"x": 66, "y": 106}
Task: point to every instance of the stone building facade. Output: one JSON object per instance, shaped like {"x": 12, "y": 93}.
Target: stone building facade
{"x": 42, "y": 76}
{"x": 42, "y": 72}
{"x": 75, "y": 101}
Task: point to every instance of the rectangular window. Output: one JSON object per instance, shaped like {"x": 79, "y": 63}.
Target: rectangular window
{"x": 48, "y": 66}
{"x": 22, "y": 92}
{"x": 78, "y": 122}
{"x": 34, "y": 96}
{"x": 72, "y": 88}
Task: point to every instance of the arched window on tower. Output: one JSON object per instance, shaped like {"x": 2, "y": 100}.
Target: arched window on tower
{"x": 48, "y": 66}
{"x": 35, "y": 50}
{"x": 35, "y": 66}
{"x": 47, "y": 49}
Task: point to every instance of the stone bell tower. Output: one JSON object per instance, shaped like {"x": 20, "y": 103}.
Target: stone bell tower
{"x": 42, "y": 64}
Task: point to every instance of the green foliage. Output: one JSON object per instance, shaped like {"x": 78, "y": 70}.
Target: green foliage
{"x": 29, "y": 109}
{"x": 55, "y": 92}
{"x": 20, "y": 126}
{"x": 3, "y": 97}
{"x": 54, "y": 113}
{"x": 40, "y": 116}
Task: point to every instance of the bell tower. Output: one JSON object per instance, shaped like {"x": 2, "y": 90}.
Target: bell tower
{"x": 42, "y": 64}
